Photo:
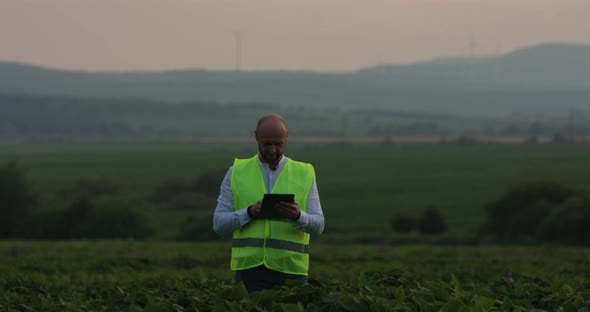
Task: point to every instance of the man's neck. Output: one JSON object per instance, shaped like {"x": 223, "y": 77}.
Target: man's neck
{"x": 272, "y": 166}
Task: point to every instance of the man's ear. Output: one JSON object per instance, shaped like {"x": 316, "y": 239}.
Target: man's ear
{"x": 256, "y": 135}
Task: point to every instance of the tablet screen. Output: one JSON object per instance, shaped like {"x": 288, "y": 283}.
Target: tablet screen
{"x": 267, "y": 210}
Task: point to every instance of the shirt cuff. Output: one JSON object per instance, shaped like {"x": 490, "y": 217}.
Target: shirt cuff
{"x": 303, "y": 219}
{"x": 244, "y": 218}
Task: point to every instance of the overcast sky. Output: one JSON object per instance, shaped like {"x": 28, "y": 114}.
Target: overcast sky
{"x": 318, "y": 35}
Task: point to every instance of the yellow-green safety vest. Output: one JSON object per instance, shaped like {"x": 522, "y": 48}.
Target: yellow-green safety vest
{"x": 275, "y": 243}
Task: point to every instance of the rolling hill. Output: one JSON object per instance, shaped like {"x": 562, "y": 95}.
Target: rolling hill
{"x": 547, "y": 79}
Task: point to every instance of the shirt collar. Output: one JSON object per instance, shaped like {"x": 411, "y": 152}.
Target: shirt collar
{"x": 280, "y": 165}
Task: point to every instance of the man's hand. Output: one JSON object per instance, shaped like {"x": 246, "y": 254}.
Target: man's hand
{"x": 254, "y": 210}
{"x": 288, "y": 210}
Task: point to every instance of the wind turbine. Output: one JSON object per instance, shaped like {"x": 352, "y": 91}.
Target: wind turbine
{"x": 238, "y": 51}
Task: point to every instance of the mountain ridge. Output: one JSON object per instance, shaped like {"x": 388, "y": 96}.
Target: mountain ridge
{"x": 518, "y": 79}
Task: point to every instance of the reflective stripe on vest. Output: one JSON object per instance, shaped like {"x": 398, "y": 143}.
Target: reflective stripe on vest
{"x": 275, "y": 243}
{"x": 270, "y": 243}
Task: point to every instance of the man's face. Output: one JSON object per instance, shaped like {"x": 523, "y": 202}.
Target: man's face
{"x": 271, "y": 144}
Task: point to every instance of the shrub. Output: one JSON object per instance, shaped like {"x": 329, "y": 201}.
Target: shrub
{"x": 168, "y": 189}
{"x": 106, "y": 217}
{"x": 516, "y": 215}
{"x": 431, "y": 222}
{"x": 568, "y": 224}
{"x": 17, "y": 199}
{"x": 92, "y": 186}
{"x": 86, "y": 217}
{"x": 192, "y": 201}
{"x": 208, "y": 183}
{"x": 46, "y": 223}
{"x": 199, "y": 194}
{"x": 197, "y": 229}
{"x": 403, "y": 223}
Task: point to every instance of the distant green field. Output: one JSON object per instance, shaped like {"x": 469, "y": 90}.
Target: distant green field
{"x": 361, "y": 186}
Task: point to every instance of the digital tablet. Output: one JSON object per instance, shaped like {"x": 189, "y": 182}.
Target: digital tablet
{"x": 267, "y": 210}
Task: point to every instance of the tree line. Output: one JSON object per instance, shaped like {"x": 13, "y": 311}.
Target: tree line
{"x": 60, "y": 117}
{"x": 529, "y": 213}
{"x": 99, "y": 208}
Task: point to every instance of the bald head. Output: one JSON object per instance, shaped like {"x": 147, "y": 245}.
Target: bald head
{"x": 271, "y": 135}
{"x": 272, "y": 121}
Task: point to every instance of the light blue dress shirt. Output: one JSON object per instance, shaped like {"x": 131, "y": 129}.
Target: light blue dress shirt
{"x": 226, "y": 220}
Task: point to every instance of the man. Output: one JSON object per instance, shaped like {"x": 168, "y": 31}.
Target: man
{"x": 266, "y": 252}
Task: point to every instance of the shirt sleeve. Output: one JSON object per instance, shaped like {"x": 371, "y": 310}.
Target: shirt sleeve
{"x": 225, "y": 219}
{"x": 312, "y": 221}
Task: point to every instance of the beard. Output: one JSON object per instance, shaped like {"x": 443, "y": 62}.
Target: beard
{"x": 270, "y": 158}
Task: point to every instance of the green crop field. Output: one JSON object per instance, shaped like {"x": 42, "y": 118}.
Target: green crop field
{"x": 165, "y": 276}
{"x": 361, "y": 185}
